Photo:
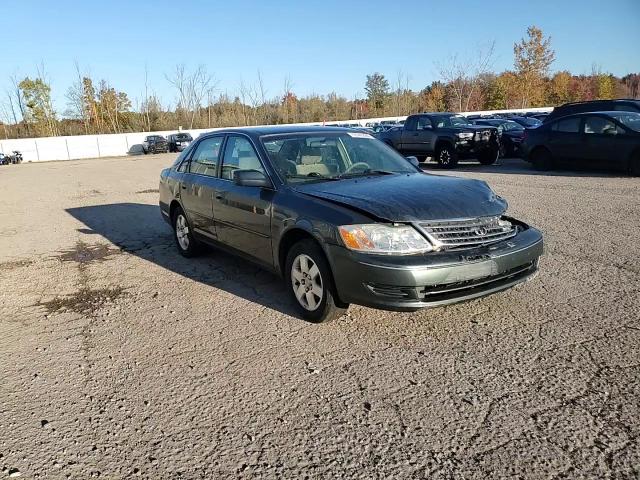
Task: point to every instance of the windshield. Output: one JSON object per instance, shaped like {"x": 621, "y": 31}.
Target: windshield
{"x": 452, "y": 121}
{"x": 303, "y": 158}
{"x": 511, "y": 126}
{"x": 628, "y": 119}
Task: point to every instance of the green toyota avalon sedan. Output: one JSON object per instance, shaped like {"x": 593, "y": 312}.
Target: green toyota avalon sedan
{"x": 343, "y": 218}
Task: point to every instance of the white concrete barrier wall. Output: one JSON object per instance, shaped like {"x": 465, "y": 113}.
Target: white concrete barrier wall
{"x": 114, "y": 145}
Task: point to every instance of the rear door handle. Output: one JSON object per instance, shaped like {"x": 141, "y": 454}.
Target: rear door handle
{"x": 183, "y": 186}
{"x": 218, "y": 196}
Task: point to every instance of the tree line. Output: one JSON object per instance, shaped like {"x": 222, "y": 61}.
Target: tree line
{"x": 465, "y": 84}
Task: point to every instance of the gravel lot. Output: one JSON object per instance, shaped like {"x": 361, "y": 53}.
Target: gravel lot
{"x": 120, "y": 358}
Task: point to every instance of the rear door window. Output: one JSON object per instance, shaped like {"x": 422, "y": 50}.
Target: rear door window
{"x": 568, "y": 125}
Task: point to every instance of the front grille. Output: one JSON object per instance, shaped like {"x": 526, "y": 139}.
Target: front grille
{"x": 468, "y": 233}
{"x": 483, "y": 135}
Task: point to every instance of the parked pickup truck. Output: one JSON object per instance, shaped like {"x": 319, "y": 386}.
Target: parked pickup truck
{"x": 446, "y": 136}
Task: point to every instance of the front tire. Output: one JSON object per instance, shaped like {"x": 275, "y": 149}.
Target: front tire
{"x": 446, "y": 156}
{"x": 489, "y": 157}
{"x": 310, "y": 283}
{"x": 541, "y": 159}
{"x": 183, "y": 235}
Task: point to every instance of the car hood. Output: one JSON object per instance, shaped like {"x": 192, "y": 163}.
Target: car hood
{"x": 410, "y": 197}
{"x": 514, "y": 133}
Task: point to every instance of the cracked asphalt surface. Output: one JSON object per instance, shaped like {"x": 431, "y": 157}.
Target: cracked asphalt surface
{"x": 119, "y": 358}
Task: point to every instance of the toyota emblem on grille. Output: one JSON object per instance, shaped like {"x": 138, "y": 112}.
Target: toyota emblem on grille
{"x": 480, "y": 231}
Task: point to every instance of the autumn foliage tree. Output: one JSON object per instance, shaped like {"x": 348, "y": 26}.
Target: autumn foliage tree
{"x": 533, "y": 58}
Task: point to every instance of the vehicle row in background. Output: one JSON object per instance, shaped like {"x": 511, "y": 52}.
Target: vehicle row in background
{"x": 176, "y": 142}
{"x": 11, "y": 159}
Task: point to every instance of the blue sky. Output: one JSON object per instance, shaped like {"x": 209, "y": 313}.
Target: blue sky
{"x": 321, "y": 46}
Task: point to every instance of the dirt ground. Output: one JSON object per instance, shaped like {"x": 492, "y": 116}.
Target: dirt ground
{"x": 119, "y": 358}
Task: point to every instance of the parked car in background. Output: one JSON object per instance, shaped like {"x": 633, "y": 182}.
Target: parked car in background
{"x": 596, "y": 139}
{"x": 511, "y": 134}
{"x": 448, "y": 137}
{"x": 527, "y": 122}
{"x": 620, "y": 104}
{"x": 179, "y": 141}
{"x": 14, "y": 158}
{"x": 155, "y": 144}
{"x": 539, "y": 116}
{"x": 345, "y": 219}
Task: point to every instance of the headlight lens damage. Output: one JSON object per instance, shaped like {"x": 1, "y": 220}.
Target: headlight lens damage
{"x": 384, "y": 239}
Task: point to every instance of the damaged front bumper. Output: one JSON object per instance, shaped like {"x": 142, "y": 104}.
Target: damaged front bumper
{"x": 435, "y": 278}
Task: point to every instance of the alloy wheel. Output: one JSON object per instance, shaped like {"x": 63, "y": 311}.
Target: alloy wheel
{"x": 445, "y": 156}
{"x": 182, "y": 231}
{"x": 306, "y": 282}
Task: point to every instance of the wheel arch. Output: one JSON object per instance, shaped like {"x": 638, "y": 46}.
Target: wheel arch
{"x": 444, "y": 141}
{"x": 295, "y": 234}
{"x": 173, "y": 207}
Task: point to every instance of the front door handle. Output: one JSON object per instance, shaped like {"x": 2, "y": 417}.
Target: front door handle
{"x": 183, "y": 186}
{"x": 218, "y": 196}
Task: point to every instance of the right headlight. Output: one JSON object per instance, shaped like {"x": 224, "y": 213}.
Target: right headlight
{"x": 384, "y": 239}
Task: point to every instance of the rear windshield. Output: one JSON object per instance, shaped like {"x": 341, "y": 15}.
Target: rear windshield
{"x": 183, "y": 136}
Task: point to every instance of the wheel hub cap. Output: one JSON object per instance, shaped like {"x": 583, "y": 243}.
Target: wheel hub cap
{"x": 182, "y": 232}
{"x": 306, "y": 282}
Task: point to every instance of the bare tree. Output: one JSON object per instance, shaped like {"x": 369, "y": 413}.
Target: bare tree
{"x": 192, "y": 88}
{"x": 77, "y": 102}
{"x": 145, "y": 104}
{"x": 463, "y": 74}
{"x": 264, "y": 106}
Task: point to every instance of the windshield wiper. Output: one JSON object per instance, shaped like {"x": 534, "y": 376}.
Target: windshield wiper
{"x": 319, "y": 176}
{"x": 364, "y": 173}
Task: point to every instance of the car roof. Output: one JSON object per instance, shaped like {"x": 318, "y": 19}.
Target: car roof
{"x": 280, "y": 130}
{"x": 608, "y": 113}
{"x": 612, "y": 100}
{"x": 440, "y": 114}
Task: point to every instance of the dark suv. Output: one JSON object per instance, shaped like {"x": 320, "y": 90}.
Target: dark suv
{"x": 179, "y": 141}
{"x": 345, "y": 219}
{"x": 155, "y": 144}
{"x": 621, "y": 104}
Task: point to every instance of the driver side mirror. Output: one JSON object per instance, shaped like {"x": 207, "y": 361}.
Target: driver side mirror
{"x": 413, "y": 161}
{"x": 251, "y": 178}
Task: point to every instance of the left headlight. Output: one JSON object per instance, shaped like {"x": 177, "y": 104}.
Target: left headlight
{"x": 465, "y": 135}
{"x": 384, "y": 239}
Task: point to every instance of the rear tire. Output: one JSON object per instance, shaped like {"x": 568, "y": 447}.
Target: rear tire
{"x": 541, "y": 159}
{"x": 446, "y": 156}
{"x": 187, "y": 245}
{"x": 310, "y": 282}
